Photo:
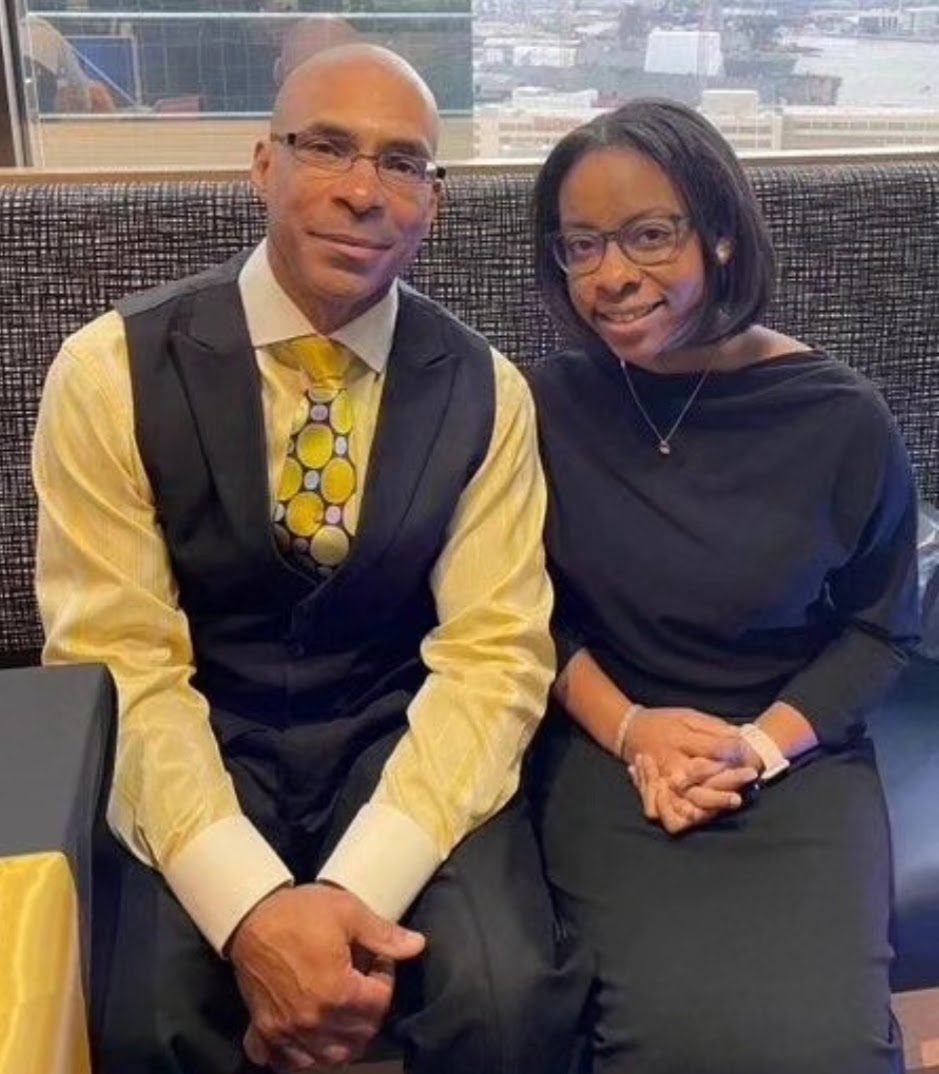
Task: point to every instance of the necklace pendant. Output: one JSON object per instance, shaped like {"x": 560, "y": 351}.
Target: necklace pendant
{"x": 664, "y": 448}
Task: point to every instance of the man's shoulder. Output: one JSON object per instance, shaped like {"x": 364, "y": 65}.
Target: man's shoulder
{"x": 417, "y": 303}
{"x": 99, "y": 349}
{"x": 510, "y": 383}
{"x": 168, "y": 293}
{"x": 91, "y": 365}
{"x": 94, "y": 337}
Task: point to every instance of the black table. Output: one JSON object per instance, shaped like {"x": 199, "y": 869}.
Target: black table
{"x": 57, "y": 729}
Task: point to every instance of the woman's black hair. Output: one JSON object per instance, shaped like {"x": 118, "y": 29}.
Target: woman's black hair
{"x": 716, "y": 195}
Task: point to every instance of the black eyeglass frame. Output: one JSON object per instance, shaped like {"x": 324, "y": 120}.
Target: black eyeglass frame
{"x": 682, "y": 222}
{"x": 433, "y": 171}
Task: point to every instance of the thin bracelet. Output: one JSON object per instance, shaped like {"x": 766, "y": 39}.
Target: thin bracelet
{"x": 619, "y": 743}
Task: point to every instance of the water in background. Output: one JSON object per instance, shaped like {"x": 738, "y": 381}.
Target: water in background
{"x": 875, "y": 71}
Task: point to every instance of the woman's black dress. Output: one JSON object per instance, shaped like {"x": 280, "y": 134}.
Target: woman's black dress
{"x": 770, "y": 556}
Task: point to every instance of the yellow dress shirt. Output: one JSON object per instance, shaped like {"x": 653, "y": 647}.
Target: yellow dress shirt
{"x": 107, "y": 593}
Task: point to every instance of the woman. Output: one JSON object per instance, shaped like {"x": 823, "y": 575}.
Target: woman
{"x": 732, "y": 542}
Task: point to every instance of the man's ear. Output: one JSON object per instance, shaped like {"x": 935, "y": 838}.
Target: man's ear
{"x": 438, "y": 202}
{"x": 260, "y": 167}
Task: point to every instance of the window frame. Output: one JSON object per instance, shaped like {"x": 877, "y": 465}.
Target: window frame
{"x": 13, "y": 143}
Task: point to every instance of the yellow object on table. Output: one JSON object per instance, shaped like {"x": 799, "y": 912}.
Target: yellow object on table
{"x": 42, "y": 1012}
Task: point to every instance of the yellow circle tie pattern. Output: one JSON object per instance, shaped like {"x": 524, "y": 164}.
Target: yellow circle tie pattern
{"x": 318, "y": 481}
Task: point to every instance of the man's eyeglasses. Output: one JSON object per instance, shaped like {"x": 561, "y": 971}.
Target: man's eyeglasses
{"x": 649, "y": 241}
{"x": 395, "y": 167}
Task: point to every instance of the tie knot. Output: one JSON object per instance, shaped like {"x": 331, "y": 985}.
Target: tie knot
{"x": 324, "y": 361}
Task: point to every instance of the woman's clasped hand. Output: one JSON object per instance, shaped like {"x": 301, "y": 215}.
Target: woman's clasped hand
{"x": 687, "y": 766}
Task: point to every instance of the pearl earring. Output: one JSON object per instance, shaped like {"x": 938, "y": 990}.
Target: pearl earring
{"x": 722, "y": 251}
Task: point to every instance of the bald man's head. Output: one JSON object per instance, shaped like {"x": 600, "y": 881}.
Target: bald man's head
{"x": 349, "y": 179}
{"x": 367, "y": 67}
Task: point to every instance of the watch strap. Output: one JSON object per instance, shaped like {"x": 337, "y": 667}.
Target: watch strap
{"x": 774, "y": 762}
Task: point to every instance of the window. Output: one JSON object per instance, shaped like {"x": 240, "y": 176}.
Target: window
{"x": 111, "y": 83}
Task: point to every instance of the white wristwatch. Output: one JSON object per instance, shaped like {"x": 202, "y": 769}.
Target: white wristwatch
{"x": 774, "y": 763}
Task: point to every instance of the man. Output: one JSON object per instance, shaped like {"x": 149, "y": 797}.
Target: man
{"x": 296, "y": 507}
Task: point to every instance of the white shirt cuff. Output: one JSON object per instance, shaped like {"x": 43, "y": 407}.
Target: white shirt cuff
{"x": 222, "y": 873}
{"x": 385, "y": 858}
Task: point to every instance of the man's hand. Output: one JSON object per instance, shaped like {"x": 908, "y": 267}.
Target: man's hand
{"x": 315, "y": 968}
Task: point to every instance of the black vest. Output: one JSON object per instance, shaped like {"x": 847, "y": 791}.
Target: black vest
{"x": 301, "y": 675}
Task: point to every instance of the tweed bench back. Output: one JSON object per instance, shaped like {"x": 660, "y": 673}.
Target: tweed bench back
{"x": 859, "y": 275}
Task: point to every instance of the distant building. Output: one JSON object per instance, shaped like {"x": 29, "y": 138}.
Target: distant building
{"x": 879, "y": 21}
{"x": 921, "y": 21}
{"x": 738, "y": 116}
{"x": 527, "y": 50}
{"x": 726, "y": 102}
{"x": 684, "y": 52}
{"x": 748, "y": 127}
{"x": 833, "y": 128}
{"x": 526, "y": 133}
{"x": 537, "y": 99}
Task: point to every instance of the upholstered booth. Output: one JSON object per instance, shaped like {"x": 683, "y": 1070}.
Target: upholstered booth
{"x": 859, "y": 274}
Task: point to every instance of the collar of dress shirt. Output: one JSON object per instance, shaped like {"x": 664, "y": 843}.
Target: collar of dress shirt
{"x": 272, "y": 315}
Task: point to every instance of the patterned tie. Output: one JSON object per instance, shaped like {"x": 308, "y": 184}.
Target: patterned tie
{"x": 311, "y": 518}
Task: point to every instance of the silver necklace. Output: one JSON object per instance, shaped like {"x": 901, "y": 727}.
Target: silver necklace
{"x": 664, "y": 445}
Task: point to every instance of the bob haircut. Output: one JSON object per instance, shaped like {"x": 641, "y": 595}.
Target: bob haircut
{"x": 717, "y": 197}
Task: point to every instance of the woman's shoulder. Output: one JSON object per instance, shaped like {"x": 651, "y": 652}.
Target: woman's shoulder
{"x": 853, "y": 388}
{"x": 816, "y": 371}
{"x": 846, "y": 401}
{"x": 561, "y": 359}
{"x": 562, "y": 370}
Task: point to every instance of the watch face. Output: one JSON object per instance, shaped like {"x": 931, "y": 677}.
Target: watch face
{"x": 776, "y": 770}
